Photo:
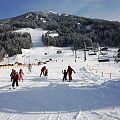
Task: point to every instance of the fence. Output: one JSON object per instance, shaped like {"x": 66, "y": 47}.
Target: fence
{"x": 103, "y": 73}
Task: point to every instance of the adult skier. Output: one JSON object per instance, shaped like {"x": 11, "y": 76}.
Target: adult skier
{"x": 69, "y": 72}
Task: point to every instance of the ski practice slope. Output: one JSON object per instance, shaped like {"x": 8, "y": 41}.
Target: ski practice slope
{"x": 90, "y": 96}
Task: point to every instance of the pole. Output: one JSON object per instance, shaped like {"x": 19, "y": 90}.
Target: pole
{"x": 102, "y": 74}
{"x": 110, "y": 75}
{"x": 85, "y": 51}
{"x": 8, "y": 61}
{"x": 75, "y": 55}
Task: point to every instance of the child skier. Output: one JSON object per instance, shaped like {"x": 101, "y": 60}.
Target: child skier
{"x": 46, "y": 72}
{"x": 64, "y": 75}
{"x": 21, "y": 75}
{"x": 29, "y": 68}
{"x": 15, "y": 79}
{"x": 43, "y": 69}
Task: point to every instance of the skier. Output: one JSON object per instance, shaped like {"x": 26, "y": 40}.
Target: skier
{"x": 30, "y": 68}
{"x": 69, "y": 72}
{"x": 43, "y": 69}
{"x": 64, "y": 75}
{"x": 11, "y": 74}
{"x": 46, "y": 72}
{"x": 21, "y": 75}
{"x": 15, "y": 79}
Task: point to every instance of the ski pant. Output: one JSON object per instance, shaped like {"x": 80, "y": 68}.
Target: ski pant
{"x": 20, "y": 77}
{"x": 70, "y": 77}
{"x": 42, "y": 72}
{"x": 13, "y": 83}
{"x": 11, "y": 79}
{"x": 64, "y": 78}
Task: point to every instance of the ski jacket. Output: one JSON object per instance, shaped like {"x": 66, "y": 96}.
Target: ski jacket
{"x": 70, "y": 70}
{"x": 15, "y": 76}
{"x": 12, "y": 74}
{"x": 64, "y": 72}
{"x": 43, "y": 69}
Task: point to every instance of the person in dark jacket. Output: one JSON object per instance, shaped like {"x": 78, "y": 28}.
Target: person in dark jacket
{"x": 69, "y": 72}
{"x": 64, "y": 75}
{"x": 11, "y": 75}
{"x": 15, "y": 79}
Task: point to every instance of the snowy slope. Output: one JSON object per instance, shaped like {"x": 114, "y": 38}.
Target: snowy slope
{"x": 92, "y": 95}
{"x": 35, "y": 35}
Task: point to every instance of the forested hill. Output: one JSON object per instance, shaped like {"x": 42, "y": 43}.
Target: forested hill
{"x": 72, "y": 30}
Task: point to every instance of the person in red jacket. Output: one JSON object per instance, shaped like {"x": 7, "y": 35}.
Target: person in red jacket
{"x": 15, "y": 79}
{"x": 69, "y": 72}
{"x": 43, "y": 69}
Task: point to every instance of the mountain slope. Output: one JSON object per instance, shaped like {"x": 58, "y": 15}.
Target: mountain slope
{"x": 72, "y": 30}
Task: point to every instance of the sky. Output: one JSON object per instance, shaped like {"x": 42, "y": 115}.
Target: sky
{"x": 101, "y": 9}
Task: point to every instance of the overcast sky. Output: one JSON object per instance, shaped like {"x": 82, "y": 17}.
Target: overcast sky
{"x": 102, "y": 9}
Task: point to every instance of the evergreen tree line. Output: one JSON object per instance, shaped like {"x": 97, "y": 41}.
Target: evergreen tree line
{"x": 11, "y": 43}
{"x": 73, "y": 29}
{"x": 73, "y": 40}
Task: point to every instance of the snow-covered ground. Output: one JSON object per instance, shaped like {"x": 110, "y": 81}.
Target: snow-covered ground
{"x": 94, "y": 93}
